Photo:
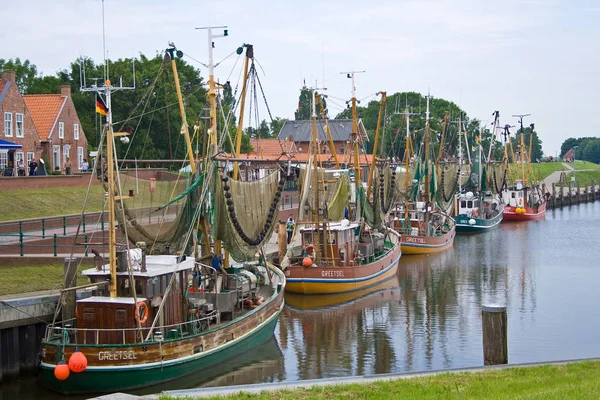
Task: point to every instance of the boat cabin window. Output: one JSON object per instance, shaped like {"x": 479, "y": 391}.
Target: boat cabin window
{"x": 463, "y": 204}
{"x": 470, "y": 204}
{"x": 476, "y": 203}
{"x": 342, "y": 255}
{"x": 307, "y": 238}
{"x": 149, "y": 288}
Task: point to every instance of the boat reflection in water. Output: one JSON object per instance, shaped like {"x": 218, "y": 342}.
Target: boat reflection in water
{"x": 340, "y": 334}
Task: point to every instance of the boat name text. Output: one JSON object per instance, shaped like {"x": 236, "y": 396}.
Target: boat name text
{"x": 116, "y": 355}
{"x": 411, "y": 239}
{"x": 332, "y": 274}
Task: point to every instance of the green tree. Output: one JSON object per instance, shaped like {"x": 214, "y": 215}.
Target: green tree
{"x": 25, "y": 72}
{"x": 276, "y": 125}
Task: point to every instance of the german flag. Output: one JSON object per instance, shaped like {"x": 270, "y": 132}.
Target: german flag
{"x": 101, "y": 107}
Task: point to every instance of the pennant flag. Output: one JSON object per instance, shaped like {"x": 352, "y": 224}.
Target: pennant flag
{"x": 101, "y": 107}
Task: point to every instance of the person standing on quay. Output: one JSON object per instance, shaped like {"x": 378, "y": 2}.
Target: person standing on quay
{"x": 68, "y": 167}
{"x": 33, "y": 167}
{"x": 290, "y": 229}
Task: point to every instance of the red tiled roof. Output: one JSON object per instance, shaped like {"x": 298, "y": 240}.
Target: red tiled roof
{"x": 44, "y": 110}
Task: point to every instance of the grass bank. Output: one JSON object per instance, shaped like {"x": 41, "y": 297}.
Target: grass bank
{"x": 24, "y": 279}
{"x": 39, "y": 203}
{"x": 580, "y": 380}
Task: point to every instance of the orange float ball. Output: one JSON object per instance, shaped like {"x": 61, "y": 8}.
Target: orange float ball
{"x": 62, "y": 371}
{"x": 78, "y": 362}
{"x": 307, "y": 262}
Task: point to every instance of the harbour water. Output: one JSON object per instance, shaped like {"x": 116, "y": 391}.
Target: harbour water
{"x": 429, "y": 316}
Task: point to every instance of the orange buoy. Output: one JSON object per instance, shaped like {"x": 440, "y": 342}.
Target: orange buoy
{"x": 62, "y": 371}
{"x": 306, "y": 262}
{"x": 78, "y": 362}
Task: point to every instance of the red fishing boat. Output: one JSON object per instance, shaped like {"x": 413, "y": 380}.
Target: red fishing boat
{"x": 524, "y": 202}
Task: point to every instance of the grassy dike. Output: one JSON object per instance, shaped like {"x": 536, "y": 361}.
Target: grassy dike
{"x": 577, "y": 380}
{"x": 24, "y": 279}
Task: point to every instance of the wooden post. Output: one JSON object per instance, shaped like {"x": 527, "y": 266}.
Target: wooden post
{"x": 570, "y": 194}
{"x": 593, "y": 190}
{"x": 553, "y": 195}
{"x": 585, "y": 191}
{"x": 578, "y": 193}
{"x": 282, "y": 240}
{"x": 68, "y": 298}
{"x": 495, "y": 338}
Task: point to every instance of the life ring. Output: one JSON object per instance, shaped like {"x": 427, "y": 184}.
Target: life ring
{"x": 143, "y": 306}
{"x": 311, "y": 247}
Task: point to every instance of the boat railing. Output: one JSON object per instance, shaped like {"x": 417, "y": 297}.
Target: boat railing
{"x": 71, "y": 334}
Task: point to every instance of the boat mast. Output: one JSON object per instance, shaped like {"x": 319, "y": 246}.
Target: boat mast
{"x": 213, "y": 147}
{"x": 372, "y": 169}
{"x": 522, "y": 147}
{"x": 324, "y": 114}
{"x": 407, "y": 162}
{"x": 355, "y": 128}
{"x": 315, "y": 151}
{"x": 172, "y": 51}
{"x": 493, "y": 137}
{"x": 427, "y": 130}
{"x": 460, "y": 157}
{"x": 239, "y": 132}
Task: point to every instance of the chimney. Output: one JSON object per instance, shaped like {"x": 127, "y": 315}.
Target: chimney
{"x": 8, "y": 75}
{"x": 65, "y": 90}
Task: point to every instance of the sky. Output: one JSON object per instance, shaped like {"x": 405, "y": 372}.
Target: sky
{"x": 538, "y": 57}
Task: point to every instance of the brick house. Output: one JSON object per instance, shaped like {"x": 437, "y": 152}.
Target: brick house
{"x": 18, "y": 126}
{"x": 59, "y": 129}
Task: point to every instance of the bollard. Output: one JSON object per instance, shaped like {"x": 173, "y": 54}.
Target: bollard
{"x": 494, "y": 331}
{"x": 55, "y": 245}
{"x": 70, "y": 280}
{"x": 83, "y": 222}
{"x": 43, "y": 228}
{"x": 64, "y": 226}
{"x": 21, "y": 243}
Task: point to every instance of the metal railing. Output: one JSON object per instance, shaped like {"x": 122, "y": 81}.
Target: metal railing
{"x": 174, "y": 331}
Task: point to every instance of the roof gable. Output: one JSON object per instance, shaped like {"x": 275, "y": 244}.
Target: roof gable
{"x": 300, "y": 131}
{"x": 44, "y": 110}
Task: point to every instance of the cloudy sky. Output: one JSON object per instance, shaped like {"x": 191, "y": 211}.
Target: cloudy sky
{"x": 530, "y": 56}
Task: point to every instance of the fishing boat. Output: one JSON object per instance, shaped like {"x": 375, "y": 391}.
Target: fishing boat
{"x": 333, "y": 253}
{"x": 424, "y": 227}
{"x": 476, "y": 208}
{"x": 153, "y": 318}
{"x": 524, "y": 199}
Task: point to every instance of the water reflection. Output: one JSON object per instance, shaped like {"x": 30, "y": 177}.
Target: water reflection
{"x": 542, "y": 270}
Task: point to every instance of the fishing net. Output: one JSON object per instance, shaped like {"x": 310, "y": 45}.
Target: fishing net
{"x": 162, "y": 228}
{"x": 246, "y": 213}
{"x": 333, "y": 189}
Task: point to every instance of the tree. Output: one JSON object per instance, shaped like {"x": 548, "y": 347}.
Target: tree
{"x": 25, "y": 72}
{"x": 305, "y": 106}
{"x": 568, "y": 145}
{"x": 276, "y": 125}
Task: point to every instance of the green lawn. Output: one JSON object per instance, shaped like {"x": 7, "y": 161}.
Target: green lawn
{"x": 585, "y": 171}
{"x": 540, "y": 170}
{"x": 23, "y": 279}
{"x": 39, "y": 203}
{"x": 570, "y": 381}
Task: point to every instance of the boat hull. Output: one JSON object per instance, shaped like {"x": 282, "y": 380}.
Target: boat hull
{"x": 427, "y": 244}
{"x": 480, "y": 225}
{"x": 510, "y": 213}
{"x": 315, "y": 280}
{"x": 119, "y": 367}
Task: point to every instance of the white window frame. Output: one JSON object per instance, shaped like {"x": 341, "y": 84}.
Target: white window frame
{"x": 56, "y": 157}
{"x": 61, "y": 130}
{"x": 20, "y": 131}
{"x": 8, "y": 124}
{"x": 30, "y": 156}
{"x": 3, "y": 159}
{"x": 79, "y": 156}
{"x": 65, "y": 151}
{"x": 76, "y": 131}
